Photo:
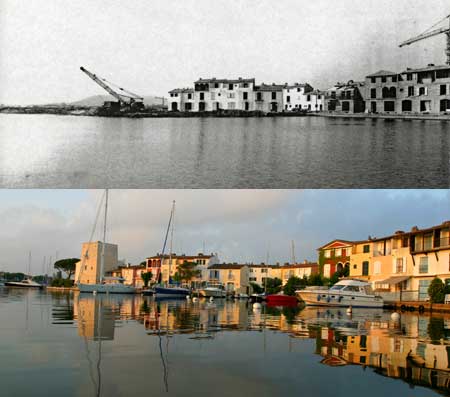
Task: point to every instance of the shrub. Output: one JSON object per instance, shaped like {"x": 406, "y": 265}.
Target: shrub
{"x": 436, "y": 291}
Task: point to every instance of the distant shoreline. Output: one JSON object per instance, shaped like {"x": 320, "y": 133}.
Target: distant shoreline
{"x": 97, "y": 112}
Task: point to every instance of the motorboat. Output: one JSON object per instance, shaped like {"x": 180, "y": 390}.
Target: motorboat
{"x": 26, "y": 283}
{"x": 213, "y": 290}
{"x": 281, "y": 300}
{"x": 171, "y": 292}
{"x": 109, "y": 285}
{"x": 345, "y": 293}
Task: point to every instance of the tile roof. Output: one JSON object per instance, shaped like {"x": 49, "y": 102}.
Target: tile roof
{"x": 429, "y": 68}
{"x": 270, "y": 87}
{"x": 381, "y": 73}
{"x": 227, "y": 266}
{"x": 175, "y": 256}
{"x": 226, "y": 81}
{"x": 182, "y": 91}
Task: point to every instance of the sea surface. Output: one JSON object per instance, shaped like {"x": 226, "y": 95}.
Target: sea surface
{"x": 70, "y": 344}
{"x": 52, "y": 151}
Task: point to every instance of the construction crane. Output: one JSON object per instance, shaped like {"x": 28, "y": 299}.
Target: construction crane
{"x": 431, "y": 33}
{"x": 125, "y": 100}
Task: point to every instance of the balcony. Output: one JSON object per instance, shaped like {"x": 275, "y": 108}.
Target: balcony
{"x": 431, "y": 245}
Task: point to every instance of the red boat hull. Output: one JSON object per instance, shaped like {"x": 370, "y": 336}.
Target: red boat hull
{"x": 281, "y": 300}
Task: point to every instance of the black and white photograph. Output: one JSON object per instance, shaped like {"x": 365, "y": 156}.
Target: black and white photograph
{"x": 232, "y": 197}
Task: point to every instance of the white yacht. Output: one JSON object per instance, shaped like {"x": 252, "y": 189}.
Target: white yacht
{"x": 345, "y": 293}
{"x": 213, "y": 290}
{"x": 110, "y": 285}
{"x": 26, "y": 283}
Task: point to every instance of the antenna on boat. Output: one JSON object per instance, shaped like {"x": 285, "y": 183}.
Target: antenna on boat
{"x": 293, "y": 252}
{"x": 171, "y": 236}
{"x": 267, "y": 268}
{"x": 102, "y": 259}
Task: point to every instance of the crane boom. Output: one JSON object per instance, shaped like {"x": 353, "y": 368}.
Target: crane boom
{"x": 432, "y": 33}
{"x": 424, "y": 36}
{"x": 131, "y": 98}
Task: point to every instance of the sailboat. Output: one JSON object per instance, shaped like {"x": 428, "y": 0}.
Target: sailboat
{"x": 27, "y": 282}
{"x": 112, "y": 285}
{"x": 170, "y": 291}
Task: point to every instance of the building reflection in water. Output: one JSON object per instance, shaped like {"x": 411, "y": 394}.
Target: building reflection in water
{"x": 415, "y": 348}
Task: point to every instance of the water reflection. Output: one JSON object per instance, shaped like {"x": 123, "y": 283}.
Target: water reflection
{"x": 109, "y": 334}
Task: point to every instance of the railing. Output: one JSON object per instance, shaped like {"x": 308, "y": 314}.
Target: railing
{"x": 437, "y": 243}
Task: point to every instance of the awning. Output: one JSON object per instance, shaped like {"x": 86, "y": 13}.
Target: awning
{"x": 393, "y": 280}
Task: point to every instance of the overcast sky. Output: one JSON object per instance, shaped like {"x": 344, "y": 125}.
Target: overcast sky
{"x": 240, "y": 225}
{"x": 152, "y": 46}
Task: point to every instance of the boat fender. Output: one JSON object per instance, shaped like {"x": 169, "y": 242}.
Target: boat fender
{"x": 318, "y": 297}
{"x": 403, "y": 308}
{"x": 421, "y": 309}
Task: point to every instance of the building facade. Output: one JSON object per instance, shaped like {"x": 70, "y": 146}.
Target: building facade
{"x": 269, "y": 98}
{"x": 295, "y": 97}
{"x": 345, "y": 98}
{"x": 181, "y": 99}
{"x": 299, "y": 270}
{"x": 87, "y": 270}
{"x": 335, "y": 256}
{"x": 413, "y": 91}
{"x": 234, "y": 277}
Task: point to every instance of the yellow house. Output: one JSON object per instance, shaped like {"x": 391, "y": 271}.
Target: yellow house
{"x": 299, "y": 270}
{"x": 360, "y": 259}
{"x": 87, "y": 270}
{"x": 235, "y": 277}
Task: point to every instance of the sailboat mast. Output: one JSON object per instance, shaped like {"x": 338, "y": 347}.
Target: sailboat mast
{"x": 171, "y": 237}
{"x": 102, "y": 259}
{"x": 293, "y": 252}
{"x": 29, "y": 264}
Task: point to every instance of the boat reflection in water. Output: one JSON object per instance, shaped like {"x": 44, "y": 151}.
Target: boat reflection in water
{"x": 412, "y": 347}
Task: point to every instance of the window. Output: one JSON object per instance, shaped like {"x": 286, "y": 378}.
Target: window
{"x": 394, "y": 79}
{"x": 373, "y": 80}
{"x": 346, "y": 106}
{"x": 405, "y": 242}
{"x": 411, "y": 90}
{"x": 355, "y": 266}
{"x": 259, "y": 96}
{"x": 327, "y": 254}
{"x": 427, "y": 241}
{"x": 377, "y": 268}
{"x": 366, "y": 248}
{"x": 263, "y": 270}
{"x": 308, "y": 98}
{"x": 202, "y": 96}
{"x": 421, "y": 90}
{"x": 213, "y": 96}
{"x": 245, "y": 95}
{"x": 231, "y": 95}
{"x": 288, "y": 99}
{"x": 365, "y": 266}
{"x": 189, "y": 96}
{"x": 399, "y": 265}
{"x": 383, "y": 79}
{"x": 251, "y": 270}
{"x": 274, "y": 95}
{"x": 409, "y": 77}
{"x": 338, "y": 252}
{"x": 373, "y": 93}
{"x": 423, "y": 265}
{"x": 389, "y": 106}
{"x": 216, "y": 85}
{"x": 406, "y": 105}
{"x": 252, "y": 278}
{"x": 230, "y": 86}
{"x": 443, "y": 89}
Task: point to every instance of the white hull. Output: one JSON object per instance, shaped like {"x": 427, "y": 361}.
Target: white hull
{"x": 107, "y": 288}
{"x": 338, "y": 299}
{"x": 212, "y": 292}
{"x": 171, "y": 292}
{"x": 21, "y": 284}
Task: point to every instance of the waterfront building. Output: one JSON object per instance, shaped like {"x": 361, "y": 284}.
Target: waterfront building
{"x": 235, "y": 277}
{"x": 345, "y": 98}
{"x": 181, "y": 99}
{"x": 224, "y": 94}
{"x": 315, "y": 101}
{"x": 299, "y": 270}
{"x": 430, "y": 253}
{"x": 258, "y": 273}
{"x": 334, "y": 256}
{"x": 161, "y": 271}
{"x": 296, "y": 97}
{"x": 269, "y": 98}
{"x": 87, "y": 270}
{"x": 413, "y": 91}
{"x": 132, "y": 274}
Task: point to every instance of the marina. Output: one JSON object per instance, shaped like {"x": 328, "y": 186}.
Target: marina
{"x": 87, "y": 341}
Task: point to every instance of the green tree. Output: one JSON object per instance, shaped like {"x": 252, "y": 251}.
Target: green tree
{"x": 315, "y": 280}
{"x": 291, "y": 285}
{"x": 187, "y": 271}
{"x": 273, "y": 285}
{"x": 146, "y": 277}
{"x": 67, "y": 266}
{"x": 436, "y": 291}
{"x": 257, "y": 289}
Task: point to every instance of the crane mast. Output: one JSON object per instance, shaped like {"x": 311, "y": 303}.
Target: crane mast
{"x": 127, "y": 99}
{"x": 431, "y": 33}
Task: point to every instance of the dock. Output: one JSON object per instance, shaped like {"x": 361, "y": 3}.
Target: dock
{"x": 420, "y": 306}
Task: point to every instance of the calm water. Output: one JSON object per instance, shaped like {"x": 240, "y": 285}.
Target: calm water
{"x": 72, "y": 345}
{"x": 65, "y": 151}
